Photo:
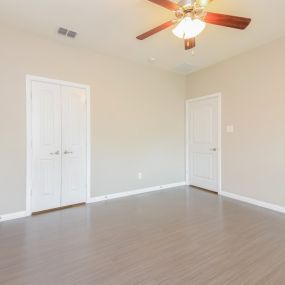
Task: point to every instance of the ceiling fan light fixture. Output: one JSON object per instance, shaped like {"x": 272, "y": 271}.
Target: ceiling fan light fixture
{"x": 188, "y": 28}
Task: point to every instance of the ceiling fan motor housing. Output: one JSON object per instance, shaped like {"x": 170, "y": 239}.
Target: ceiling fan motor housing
{"x": 190, "y": 8}
{"x": 186, "y": 3}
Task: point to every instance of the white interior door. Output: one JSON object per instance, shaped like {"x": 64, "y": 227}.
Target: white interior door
{"x": 46, "y": 146}
{"x": 203, "y": 122}
{"x": 73, "y": 145}
{"x": 59, "y": 146}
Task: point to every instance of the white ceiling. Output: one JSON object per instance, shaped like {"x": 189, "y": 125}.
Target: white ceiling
{"x": 110, "y": 27}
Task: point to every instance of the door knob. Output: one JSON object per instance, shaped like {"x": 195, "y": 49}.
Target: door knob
{"x": 55, "y": 153}
{"x": 213, "y": 149}
{"x": 68, "y": 152}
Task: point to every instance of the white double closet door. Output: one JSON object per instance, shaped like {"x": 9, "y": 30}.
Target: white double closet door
{"x": 58, "y": 145}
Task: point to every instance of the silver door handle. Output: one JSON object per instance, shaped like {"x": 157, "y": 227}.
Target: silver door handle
{"x": 213, "y": 149}
{"x": 55, "y": 153}
{"x": 68, "y": 152}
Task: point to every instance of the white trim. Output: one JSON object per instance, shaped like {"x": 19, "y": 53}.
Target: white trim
{"x": 187, "y": 176}
{"x": 88, "y": 147}
{"x": 255, "y": 202}
{"x": 219, "y": 97}
{"x": 135, "y": 192}
{"x": 270, "y": 206}
{"x": 28, "y": 143}
{"x": 23, "y": 214}
{"x": 55, "y": 81}
{"x": 13, "y": 216}
{"x": 29, "y": 79}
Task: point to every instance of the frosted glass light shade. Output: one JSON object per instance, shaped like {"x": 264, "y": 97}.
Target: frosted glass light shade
{"x": 189, "y": 28}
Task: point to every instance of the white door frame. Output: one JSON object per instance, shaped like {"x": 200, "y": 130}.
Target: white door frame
{"x": 29, "y": 80}
{"x": 187, "y": 144}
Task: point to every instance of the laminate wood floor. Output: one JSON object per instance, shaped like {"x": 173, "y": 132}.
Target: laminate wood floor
{"x": 177, "y": 236}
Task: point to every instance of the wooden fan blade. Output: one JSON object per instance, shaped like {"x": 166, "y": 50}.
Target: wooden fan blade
{"x": 227, "y": 20}
{"x": 156, "y": 30}
{"x": 190, "y": 43}
{"x": 166, "y": 4}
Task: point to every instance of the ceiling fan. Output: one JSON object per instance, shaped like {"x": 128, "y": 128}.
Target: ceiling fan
{"x": 191, "y": 20}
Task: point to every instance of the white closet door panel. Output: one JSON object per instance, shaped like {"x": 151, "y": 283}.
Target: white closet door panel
{"x": 73, "y": 145}
{"x": 46, "y": 142}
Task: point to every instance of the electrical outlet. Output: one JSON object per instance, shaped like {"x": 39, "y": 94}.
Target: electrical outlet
{"x": 230, "y": 129}
{"x": 140, "y": 176}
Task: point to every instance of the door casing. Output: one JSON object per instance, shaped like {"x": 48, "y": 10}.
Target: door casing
{"x": 187, "y": 144}
{"x": 29, "y": 80}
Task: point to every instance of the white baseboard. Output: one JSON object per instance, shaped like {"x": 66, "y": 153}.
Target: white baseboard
{"x": 134, "y": 192}
{"x": 13, "y": 216}
{"x": 23, "y": 214}
{"x": 255, "y": 202}
{"x": 270, "y": 206}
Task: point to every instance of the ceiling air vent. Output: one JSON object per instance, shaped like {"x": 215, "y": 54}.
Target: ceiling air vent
{"x": 62, "y": 31}
{"x": 185, "y": 68}
{"x": 71, "y": 34}
{"x": 67, "y": 33}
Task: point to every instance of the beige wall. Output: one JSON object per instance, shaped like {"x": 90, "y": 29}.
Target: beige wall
{"x": 253, "y": 100}
{"x": 137, "y": 116}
